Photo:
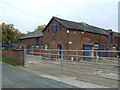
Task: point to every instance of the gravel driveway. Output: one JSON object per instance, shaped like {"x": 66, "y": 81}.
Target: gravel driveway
{"x": 52, "y": 67}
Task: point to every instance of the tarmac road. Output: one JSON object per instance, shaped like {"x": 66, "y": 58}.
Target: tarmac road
{"x": 15, "y": 77}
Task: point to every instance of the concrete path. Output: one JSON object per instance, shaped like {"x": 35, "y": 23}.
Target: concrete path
{"x": 68, "y": 80}
{"x": 14, "y": 77}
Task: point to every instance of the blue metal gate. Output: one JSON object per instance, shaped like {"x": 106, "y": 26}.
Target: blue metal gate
{"x": 107, "y": 53}
{"x": 86, "y": 53}
{"x": 101, "y": 53}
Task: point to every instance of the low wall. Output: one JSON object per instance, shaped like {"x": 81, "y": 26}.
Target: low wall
{"x": 0, "y": 52}
{"x": 17, "y": 55}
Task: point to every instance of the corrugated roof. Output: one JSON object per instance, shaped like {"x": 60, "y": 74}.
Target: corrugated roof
{"x": 32, "y": 34}
{"x": 80, "y": 26}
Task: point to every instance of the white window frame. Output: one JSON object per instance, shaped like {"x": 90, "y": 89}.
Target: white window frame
{"x": 46, "y": 46}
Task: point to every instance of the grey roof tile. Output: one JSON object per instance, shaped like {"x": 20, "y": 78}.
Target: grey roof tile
{"x": 32, "y": 34}
{"x": 81, "y": 26}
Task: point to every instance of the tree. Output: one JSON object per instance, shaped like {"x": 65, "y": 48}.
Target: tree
{"x": 10, "y": 34}
{"x": 40, "y": 27}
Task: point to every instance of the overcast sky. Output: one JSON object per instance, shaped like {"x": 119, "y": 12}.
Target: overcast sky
{"x": 26, "y": 15}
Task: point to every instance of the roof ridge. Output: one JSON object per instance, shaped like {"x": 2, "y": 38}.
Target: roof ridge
{"x": 79, "y": 23}
{"x": 67, "y": 20}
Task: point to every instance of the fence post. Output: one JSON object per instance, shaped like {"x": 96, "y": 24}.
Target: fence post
{"x": 62, "y": 62}
{"x": 49, "y": 55}
{"x": 97, "y": 57}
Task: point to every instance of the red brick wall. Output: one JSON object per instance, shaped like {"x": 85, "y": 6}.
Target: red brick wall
{"x": 77, "y": 39}
{"x": 30, "y": 42}
{"x": 115, "y": 41}
{"x": 55, "y": 38}
{"x": 17, "y": 55}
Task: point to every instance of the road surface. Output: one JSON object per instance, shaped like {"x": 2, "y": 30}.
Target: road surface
{"x": 14, "y": 77}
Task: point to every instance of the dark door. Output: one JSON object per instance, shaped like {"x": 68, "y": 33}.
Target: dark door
{"x": 59, "y": 52}
{"x": 86, "y": 53}
{"x": 28, "y": 47}
{"x": 101, "y": 53}
{"x": 107, "y": 53}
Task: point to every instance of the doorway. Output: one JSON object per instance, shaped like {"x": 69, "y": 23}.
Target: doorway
{"x": 60, "y": 52}
{"x": 88, "y": 53}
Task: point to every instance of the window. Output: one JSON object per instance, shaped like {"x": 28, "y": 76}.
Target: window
{"x": 107, "y": 47}
{"x": 28, "y": 47}
{"x": 114, "y": 47}
{"x": 68, "y": 31}
{"x": 82, "y": 32}
{"x": 37, "y": 47}
{"x": 96, "y": 46}
{"x": 41, "y": 45}
{"x": 54, "y": 28}
{"x": 75, "y": 33}
{"x": 37, "y": 41}
{"x": 33, "y": 47}
{"x": 46, "y": 46}
{"x": 20, "y": 47}
{"x": 20, "y": 41}
{"x": 111, "y": 37}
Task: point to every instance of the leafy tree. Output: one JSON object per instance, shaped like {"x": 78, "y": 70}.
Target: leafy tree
{"x": 10, "y": 34}
{"x": 40, "y": 27}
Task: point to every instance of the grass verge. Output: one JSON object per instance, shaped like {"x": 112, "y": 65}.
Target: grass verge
{"x": 9, "y": 61}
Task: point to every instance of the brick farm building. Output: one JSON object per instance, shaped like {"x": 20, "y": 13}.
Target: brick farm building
{"x": 68, "y": 35}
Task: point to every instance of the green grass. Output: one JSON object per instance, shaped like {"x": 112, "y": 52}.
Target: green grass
{"x": 9, "y": 61}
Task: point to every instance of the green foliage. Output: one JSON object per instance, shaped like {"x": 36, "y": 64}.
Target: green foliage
{"x": 10, "y": 34}
{"x": 40, "y": 27}
{"x": 9, "y": 61}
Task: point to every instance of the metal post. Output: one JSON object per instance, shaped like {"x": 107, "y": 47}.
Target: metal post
{"x": 76, "y": 55}
{"x": 96, "y": 62}
{"x": 49, "y": 55}
{"x": 62, "y": 62}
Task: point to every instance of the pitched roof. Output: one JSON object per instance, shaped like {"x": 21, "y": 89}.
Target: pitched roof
{"x": 82, "y": 26}
{"x": 32, "y": 34}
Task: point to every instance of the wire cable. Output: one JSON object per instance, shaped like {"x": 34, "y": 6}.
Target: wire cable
{"x": 23, "y": 10}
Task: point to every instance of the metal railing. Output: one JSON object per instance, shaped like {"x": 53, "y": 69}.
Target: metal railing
{"x": 76, "y": 60}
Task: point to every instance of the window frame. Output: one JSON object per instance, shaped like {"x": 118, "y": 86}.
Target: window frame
{"x": 54, "y": 28}
{"x": 37, "y": 40}
{"x": 47, "y": 46}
